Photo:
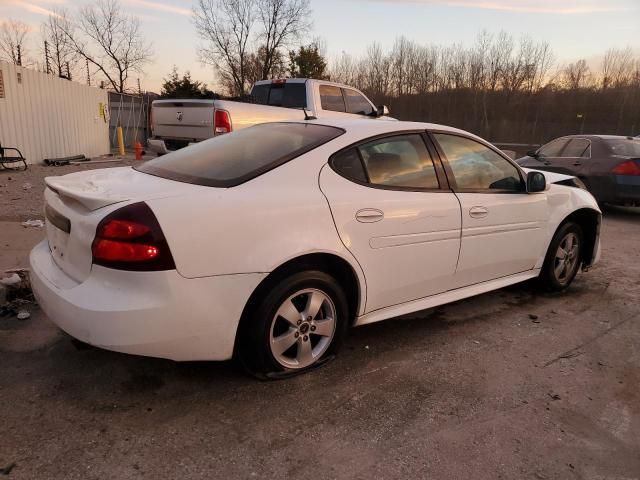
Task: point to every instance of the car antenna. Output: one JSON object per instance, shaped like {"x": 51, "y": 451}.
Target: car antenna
{"x": 307, "y": 116}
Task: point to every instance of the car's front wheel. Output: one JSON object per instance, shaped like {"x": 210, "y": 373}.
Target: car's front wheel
{"x": 298, "y": 324}
{"x": 563, "y": 259}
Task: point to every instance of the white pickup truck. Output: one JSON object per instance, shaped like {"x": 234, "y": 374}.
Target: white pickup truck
{"x": 177, "y": 123}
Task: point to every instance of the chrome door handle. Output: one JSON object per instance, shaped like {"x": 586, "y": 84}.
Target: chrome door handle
{"x": 478, "y": 212}
{"x": 369, "y": 215}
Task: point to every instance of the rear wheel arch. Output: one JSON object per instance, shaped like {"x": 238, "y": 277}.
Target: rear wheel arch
{"x": 339, "y": 268}
{"x": 589, "y": 221}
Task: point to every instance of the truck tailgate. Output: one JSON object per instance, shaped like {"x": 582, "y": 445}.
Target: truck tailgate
{"x": 190, "y": 120}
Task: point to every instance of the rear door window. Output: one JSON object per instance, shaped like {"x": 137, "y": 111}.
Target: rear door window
{"x": 357, "y": 103}
{"x": 576, "y": 148}
{"x": 331, "y": 98}
{"x": 399, "y": 161}
{"x": 234, "y": 158}
{"x": 349, "y": 165}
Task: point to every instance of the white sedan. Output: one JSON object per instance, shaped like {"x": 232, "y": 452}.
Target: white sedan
{"x": 267, "y": 244}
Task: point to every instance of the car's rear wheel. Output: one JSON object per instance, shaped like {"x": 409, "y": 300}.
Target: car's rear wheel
{"x": 563, "y": 258}
{"x": 297, "y": 325}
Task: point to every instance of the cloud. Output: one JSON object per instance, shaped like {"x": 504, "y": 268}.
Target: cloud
{"x": 567, "y": 7}
{"x": 163, "y": 7}
{"x": 35, "y": 8}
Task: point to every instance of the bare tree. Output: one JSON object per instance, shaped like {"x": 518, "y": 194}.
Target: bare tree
{"x": 225, "y": 26}
{"x": 111, "y": 41}
{"x": 617, "y": 67}
{"x": 13, "y": 35}
{"x": 345, "y": 70}
{"x": 62, "y": 56}
{"x": 575, "y": 75}
{"x": 240, "y": 35}
{"x": 281, "y": 22}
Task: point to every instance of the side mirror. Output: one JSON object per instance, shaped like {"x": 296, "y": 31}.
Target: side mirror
{"x": 383, "y": 110}
{"x": 533, "y": 153}
{"x": 536, "y": 182}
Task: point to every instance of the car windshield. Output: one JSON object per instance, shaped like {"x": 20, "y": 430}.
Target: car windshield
{"x": 234, "y": 158}
{"x": 626, "y": 147}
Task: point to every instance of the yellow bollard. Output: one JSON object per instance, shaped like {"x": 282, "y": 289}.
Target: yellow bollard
{"x": 120, "y": 142}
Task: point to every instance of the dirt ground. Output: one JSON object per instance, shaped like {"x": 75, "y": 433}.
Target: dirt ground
{"x": 513, "y": 384}
{"x": 21, "y": 191}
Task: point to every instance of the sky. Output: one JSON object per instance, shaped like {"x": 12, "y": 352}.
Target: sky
{"x": 574, "y": 28}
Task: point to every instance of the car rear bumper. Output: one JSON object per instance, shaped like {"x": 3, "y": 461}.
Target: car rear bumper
{"x": 156, "y": 314}
{"x": 626, "y": 189}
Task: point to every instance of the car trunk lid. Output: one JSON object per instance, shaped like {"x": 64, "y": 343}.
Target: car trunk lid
{"x": 75, "y": 204}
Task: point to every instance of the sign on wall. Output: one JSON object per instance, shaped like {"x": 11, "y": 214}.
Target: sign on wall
{"x": 1, "y": 85}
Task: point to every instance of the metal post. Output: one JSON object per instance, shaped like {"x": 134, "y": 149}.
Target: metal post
{"x": 88, "y": 75}
{"x": 120, "y": 141}
{"x": 68, "y": 72}
{"x": 46, "y": 56}
{"x": 19, "y": 56}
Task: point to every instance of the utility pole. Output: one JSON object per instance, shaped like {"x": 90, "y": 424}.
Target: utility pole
{"x": 19, "y": 57}
{"x": 139, "y": 89}
{"x": 88, "y": 74}
{"x": 46, "y": 56}
{"x": 68, "y": 72}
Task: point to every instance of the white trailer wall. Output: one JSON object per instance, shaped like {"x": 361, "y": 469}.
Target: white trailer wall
{"x": 49, "y": 117}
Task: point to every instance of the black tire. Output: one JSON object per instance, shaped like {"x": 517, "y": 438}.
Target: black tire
{"x": 258, "y": 332}
{"x": 549, "y": 278}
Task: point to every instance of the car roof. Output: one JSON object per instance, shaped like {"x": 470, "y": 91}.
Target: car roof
{"x": 598, "y": 137}
{"x": 369, "y": 127}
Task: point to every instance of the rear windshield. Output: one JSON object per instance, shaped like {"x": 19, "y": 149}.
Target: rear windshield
{"x": 625, "y": 146}
{"x": 237, "y": 157}
{"x": 288, "y": 95}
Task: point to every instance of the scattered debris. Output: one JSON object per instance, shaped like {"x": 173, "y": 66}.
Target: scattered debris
{"x": 24, "y": 271}
{"x": 476, "y": 342}
{"x": 7, "y": 470}
{"x": 33, "y": 223}
{"x": 23, "y": 315}
{"x": 11, "y": 280}
{"x": 554, "y": 396}
{"x": 533, "y": 316}
{"x": 58, "y": 162}
{"x": 27, "y": 186}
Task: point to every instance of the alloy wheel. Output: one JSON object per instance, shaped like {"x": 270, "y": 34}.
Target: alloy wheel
{"x": 302, "y": 328}
{"x": 566, "y": 259}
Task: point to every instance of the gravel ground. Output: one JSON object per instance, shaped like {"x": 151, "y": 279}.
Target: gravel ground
{"x": 21, "y": 192}
{"x": 513, "y": 384}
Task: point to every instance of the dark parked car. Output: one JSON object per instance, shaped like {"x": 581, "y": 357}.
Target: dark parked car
{"x": 608, "y": 165}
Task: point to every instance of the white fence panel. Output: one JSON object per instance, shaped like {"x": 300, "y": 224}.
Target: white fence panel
{"x": 49, "y": 117}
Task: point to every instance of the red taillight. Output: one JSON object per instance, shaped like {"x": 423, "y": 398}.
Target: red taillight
{"x": 279, "y": 81}
{"x": 114, "y": 251}
{"x": 221, "y": 122}
{"x": 124, "y": 229}
{"x": 630, "y": 167}
{"x": 131, "y": 239}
